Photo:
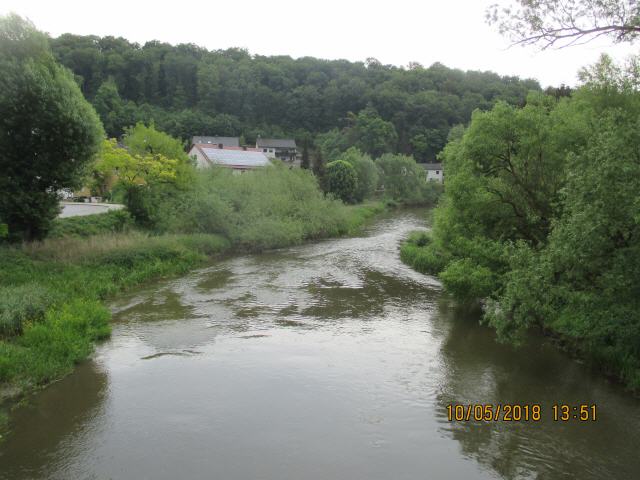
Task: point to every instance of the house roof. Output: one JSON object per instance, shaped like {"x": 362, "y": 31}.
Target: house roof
{"x": 431, "y": 166}
{"x": 234, "y": 157}
{"x": 226, "y": 141}
{"x": 225, "y": 147}
{"x": 276, "y": 143}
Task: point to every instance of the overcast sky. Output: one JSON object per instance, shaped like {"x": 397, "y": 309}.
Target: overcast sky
{"x": 397, "y": 32}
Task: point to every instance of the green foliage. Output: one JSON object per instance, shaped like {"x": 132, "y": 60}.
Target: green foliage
{"x": 111, "y": 109}
{"x": 331, "y": 144}
{"x": 261, "y": 209}
{"x": 50, "y": 348}
{"x": 147, "y": 178}
{"x": 21, "y": 303}
{"x": 467, "y": 280}
{"x": 48, "y": 138}
{"x": 366, "y": 173}
{"x": 187, "y": 90}
{"x": 405, "y": 181}
{"x": 114, "y": 221}
{"x": 418, "y": 253}
{"x": 540, "y": 221}
{"x": 50, "y": 292}
{"x": 372, "y": 134}
{"x": 341, "y": 180}
{"x": 146, "y": 140}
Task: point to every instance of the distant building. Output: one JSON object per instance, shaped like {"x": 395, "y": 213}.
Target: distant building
{"x": 284, "y": 149}
{"x": 226, "y": 141}
{"x": 434, "y": 171}
{"x": 240, "y": 159}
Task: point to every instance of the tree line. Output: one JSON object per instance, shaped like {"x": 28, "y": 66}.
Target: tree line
{"x": 188, "y": 90}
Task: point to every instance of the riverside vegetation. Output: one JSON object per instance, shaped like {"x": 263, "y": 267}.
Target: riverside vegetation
{"x": 540, "y": 220}
{"x": 52, "y": 291}
{"x": 56, "y": 273}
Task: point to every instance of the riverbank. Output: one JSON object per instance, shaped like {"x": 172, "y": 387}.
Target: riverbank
{"x": 52, "y": 293}
{"x": 415, "y": 252}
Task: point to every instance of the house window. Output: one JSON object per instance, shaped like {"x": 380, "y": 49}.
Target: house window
{"x": 437, "y": 172}
{"x": 264, "y": 150}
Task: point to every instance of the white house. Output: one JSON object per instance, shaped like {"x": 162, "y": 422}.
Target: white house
{"x": 239, "y": 159}
{"x": 284, "y": 149}
{"x": 434, "y": 171}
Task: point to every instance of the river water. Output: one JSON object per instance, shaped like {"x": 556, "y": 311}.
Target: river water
{"x": 330, "y": 360}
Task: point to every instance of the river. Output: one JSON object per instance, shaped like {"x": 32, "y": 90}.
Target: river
{"x": 329, "y": 360}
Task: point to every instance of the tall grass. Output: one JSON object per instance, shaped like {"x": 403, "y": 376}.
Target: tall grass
{"x": 417, "y": 252}
{"x": 110, "y": 222}
{"x": 267, "y": 208}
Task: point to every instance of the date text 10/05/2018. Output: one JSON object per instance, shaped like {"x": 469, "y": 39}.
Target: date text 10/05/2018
{"x": 487, "y": 412}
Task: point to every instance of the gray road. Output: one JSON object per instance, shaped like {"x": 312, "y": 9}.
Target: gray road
{"x": 73, "y": 209}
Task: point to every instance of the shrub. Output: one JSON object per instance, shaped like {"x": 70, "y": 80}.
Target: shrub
{"x": 115, "y": 221}
{"x": 419, "y": 252}
{"x": 404, "y": 181}
{"x": 265, "y": 208}
{"x": 341, "y": 180}
{"x": 366, "y": 173}
{"x": 467, "y": 280}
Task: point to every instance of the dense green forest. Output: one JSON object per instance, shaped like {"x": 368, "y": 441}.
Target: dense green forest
{"x": 187, "y": 90}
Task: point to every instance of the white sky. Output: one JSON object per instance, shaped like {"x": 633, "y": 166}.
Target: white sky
{"x": 452, "y": 32}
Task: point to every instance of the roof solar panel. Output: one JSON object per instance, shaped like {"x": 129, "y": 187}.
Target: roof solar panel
{"x": 240, "y": 158}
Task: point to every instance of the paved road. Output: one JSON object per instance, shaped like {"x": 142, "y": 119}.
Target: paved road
{"x": 74, "y": 209}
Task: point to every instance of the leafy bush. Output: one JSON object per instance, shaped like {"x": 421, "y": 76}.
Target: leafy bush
{"x": 261, "y": 209}
{"x": 404, "y": 181}
{"x": 540, "y": 221}
{"x": 418, "y": 252}
{"x": 366, "y": 173}
{"x": 114, "y": 221}
{"x": 468, "y": 281}
{"x": 341, "y": 180}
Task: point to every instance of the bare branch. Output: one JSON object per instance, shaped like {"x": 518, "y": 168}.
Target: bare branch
{"x": 559, "y": 24}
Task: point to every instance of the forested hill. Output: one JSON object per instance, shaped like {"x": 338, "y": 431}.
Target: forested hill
{"x": 188, "y": 90}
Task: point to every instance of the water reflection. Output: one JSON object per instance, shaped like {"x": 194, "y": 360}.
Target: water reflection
{"x": 58, "y": 421}
{"x": 481, "y": 371}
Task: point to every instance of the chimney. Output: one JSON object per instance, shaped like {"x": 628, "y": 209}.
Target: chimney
{"x": 219, "y": 145}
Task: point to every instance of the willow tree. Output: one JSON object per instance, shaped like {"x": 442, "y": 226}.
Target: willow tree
{"x": 48, "y": 131}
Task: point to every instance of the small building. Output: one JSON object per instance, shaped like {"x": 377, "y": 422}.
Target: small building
{"x": 284, "y": 149}
{"x": 434, "y": 171}
{"x": 239, "y": 159}
{"x": 225, "y": 141}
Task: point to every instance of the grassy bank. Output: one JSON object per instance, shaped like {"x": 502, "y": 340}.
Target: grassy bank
{"x": 52, "y": 292}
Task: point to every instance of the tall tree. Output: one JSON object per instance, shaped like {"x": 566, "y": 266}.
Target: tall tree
{"x": 305, "y": 155}
{"x": 319, "y": 166}
{"x": 48, "y": 131}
